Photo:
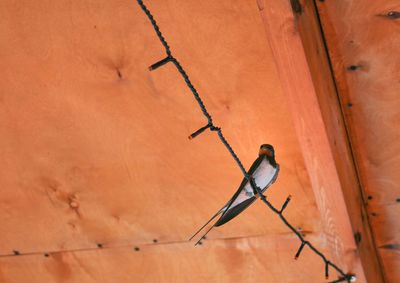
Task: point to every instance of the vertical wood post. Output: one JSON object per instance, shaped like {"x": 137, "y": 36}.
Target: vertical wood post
{"x": 293, "y": 33}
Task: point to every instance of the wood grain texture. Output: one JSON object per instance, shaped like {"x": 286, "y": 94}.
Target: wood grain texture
{"x": 363, "y": 45}
{"x": 269, "y": 259}
{"x": 94, "y": 147}
{"x": 304, "y": 71}
{"x": 309, "y": 28}
{"x": 391, "y": 263}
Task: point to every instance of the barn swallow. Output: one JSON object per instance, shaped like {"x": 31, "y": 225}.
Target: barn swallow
{"x": 264, "y": 172}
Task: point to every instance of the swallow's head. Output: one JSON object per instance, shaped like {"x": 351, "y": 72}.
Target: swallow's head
{"x": 267, "y": 149}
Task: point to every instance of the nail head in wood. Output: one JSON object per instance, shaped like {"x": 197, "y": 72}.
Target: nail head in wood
{"x": 357, "y": 237}
{"x": 393, "y": 15}
{"x": 353, "y": 67}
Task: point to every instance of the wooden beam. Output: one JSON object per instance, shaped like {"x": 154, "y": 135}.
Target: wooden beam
{"x": 331, "y": 110}
{"x": 303, "y": 67}
{"x": 364, "y": 53}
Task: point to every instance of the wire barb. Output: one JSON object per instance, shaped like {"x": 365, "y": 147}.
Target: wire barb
{"x": 344, "y": 277}
{"x": 285, "y": 204}
{"x": 160, "y": 63}
{"x": 300, "y": 249}
{"x": 326, "y": 269}
{"x": 199, "y": 131}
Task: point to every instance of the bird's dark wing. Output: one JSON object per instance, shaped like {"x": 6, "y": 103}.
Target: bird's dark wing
{"x": 227, "y": 206}
{"x": 234, "y": 211}
{"x": 253, "y": 167}
{"x": 264, "y": 174}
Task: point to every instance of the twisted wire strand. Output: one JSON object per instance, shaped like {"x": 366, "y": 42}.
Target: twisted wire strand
{"x": 155, "y": 26}
{"x": 212, "y": 127}
{"x": 193, "y": 89}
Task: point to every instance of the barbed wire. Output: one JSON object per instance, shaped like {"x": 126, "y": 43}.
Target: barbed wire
{"x": 210, "y": 125}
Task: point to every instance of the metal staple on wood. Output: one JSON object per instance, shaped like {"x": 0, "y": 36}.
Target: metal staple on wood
{"x": 210, "y": 125}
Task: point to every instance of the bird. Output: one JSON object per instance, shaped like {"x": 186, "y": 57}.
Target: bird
{"x": 264, "y": 171}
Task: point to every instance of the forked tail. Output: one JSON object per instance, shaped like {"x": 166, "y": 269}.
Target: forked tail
{"x": 202, "y": 237}
{"x": 198, "y": 231}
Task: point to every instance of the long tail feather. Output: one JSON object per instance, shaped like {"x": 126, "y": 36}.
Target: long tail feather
{"x": 202, "y": 237}
{"x": 211, "y": 219}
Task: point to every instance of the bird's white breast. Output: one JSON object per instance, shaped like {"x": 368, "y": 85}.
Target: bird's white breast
{"x": 263, "y": 176}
